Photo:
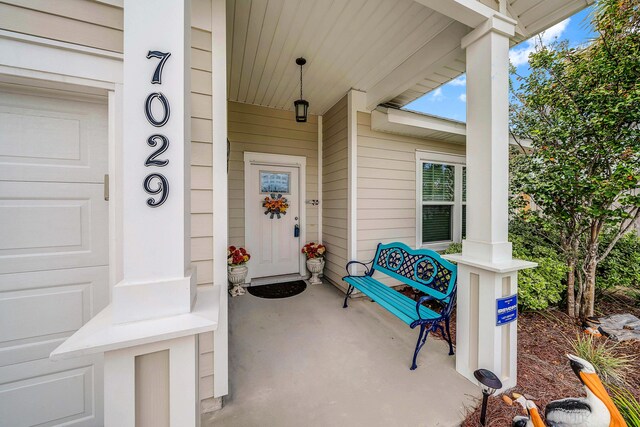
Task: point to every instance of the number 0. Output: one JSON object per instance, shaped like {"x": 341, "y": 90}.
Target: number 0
{"x": 165, "y": 105}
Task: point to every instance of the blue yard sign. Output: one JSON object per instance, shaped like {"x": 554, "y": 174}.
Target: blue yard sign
{"x": 506, "y": 310}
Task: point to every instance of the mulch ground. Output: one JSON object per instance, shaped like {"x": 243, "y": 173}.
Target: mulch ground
{"x": 544, "y": 374}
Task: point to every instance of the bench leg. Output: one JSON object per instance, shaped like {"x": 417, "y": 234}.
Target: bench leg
{"x": 346, "y": 297}
{"x": 446, "y": 322}
{"x": 422, "y": 337}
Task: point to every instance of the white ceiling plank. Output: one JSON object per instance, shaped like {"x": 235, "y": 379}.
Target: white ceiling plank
{"x": 348, "y": 64}
{"x": 289, "y": 12}
{"x": 354, "y": 34}
{"x": 326, "y": 51}
{"x": 444, "y": 47}
{"x": 231, "y": 13}
{"x": 270, "y": 26}
{"x": 240, "y": 26}
{"x": 391, "y": 49}
{"x": 284, "y": 62}
{"x": 428, "y": 25}
{"x": 254, "y": 34}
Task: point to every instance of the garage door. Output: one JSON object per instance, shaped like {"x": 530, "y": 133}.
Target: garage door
{"x": 53, "y": 253}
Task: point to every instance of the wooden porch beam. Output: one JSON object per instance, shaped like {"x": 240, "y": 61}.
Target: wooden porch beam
{"x": 470, "y": 12}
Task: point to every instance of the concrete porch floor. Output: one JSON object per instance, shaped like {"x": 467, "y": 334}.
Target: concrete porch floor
{"x": 306, "y": 361}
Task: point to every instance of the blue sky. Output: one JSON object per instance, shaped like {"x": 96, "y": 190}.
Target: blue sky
{"x": 449, "y": 100}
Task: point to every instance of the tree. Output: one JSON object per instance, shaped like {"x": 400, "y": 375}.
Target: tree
{"x": 580, "y": 108}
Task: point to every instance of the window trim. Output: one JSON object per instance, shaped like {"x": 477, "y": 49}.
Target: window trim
{"x": 458, "y": 161}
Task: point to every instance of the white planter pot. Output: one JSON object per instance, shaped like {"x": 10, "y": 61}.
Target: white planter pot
{"x": 237, "y": 276}
{"x": 315, "y": 267}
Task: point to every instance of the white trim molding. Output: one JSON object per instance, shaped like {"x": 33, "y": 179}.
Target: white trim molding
{"x": 356, "y": 101}
{"x": 299, "y": 162}
{"x": 319, "y": 179}
{"x": 39, "y": 58}
{"x": 220, "y": 192}
{"x": 459, "y": 162}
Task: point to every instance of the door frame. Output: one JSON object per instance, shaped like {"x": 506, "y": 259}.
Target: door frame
{"x": 300, "y": 162}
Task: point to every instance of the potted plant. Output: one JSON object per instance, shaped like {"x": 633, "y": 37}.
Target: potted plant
{"x": 236, "y": 260}
{"x": 315, "y": 260}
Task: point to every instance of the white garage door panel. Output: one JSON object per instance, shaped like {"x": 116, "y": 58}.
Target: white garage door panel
{"x": 38, "y": 310}
{"x": 54, "y": 253}
{"x": 52, "y": 139}
{"x": 52, "y": 226}
{"x": 63, "y": 396}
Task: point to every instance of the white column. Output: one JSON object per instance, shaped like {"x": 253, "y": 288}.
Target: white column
{"x": 486, "y": 270}
{"x": 155, "y": 306}
{"x": 156, "y": 250}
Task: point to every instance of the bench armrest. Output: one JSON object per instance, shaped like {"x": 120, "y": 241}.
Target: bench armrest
{"x": 429, "y": 298}
{"x": 367, "y": 267}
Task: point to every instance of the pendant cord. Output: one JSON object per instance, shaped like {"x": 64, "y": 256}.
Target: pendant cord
{"x": 300, "y": 81}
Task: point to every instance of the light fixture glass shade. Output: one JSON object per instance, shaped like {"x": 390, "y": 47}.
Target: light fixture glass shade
{"x": 301, "y": 106}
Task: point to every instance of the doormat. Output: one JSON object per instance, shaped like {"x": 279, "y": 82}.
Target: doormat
{"x": 278, "y": 290}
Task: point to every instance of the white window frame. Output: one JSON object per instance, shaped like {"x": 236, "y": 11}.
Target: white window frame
{"x": 459, "y": 162}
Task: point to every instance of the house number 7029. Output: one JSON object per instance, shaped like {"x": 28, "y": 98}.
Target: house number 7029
{"x": 156, "y": 184}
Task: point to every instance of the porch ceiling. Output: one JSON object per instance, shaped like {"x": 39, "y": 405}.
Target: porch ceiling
{"x": 395, "y": 50}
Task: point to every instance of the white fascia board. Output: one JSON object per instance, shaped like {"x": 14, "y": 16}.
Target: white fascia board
{"x": 409, "y": 118}
{"x": 470, "y": 12}
{"x": 403, "y": 122}
{"x": 101, "y": 334}
{"x": 413, "y": 124}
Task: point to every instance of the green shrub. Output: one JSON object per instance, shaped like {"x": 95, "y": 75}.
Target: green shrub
{"x": 610, "y": 366}
{"x": 540, "y": 287}
{"x": 627, "y": 404}
{"x": 622, "y": 266}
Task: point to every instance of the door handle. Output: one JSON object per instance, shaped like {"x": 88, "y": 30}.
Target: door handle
{"x": 296, "y": 231}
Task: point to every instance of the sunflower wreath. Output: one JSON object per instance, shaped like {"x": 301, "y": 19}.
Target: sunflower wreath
{"x": 275, "y": 205}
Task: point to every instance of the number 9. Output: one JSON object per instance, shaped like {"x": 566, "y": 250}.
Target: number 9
{"x": 162, "y": 189}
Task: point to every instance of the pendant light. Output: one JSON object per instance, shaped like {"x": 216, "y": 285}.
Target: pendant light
{"x": 301, "y": 106}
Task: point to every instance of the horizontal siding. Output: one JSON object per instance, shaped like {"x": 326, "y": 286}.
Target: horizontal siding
{"x": 334, "y": 190}
{"x": 202, "y": 175}
{"x": 265, "y": 130}
{"x": 80, "y": 22}
{"x": 387, "y": 186}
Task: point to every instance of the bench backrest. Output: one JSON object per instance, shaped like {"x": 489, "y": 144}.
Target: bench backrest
{"x": 422, "y": 269}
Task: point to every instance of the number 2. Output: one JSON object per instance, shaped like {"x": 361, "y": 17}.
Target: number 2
{"x": 163, "y": 56}
{"x": 153, "y": 141}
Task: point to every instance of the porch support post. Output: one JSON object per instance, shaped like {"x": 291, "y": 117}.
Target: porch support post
{"x": 486, "y": 270}
{"x": 148, "y": 333}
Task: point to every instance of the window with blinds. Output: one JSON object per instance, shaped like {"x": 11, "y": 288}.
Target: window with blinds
{"x": 443, "y": 201}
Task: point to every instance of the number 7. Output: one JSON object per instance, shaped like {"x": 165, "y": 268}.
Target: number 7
{"x": 157, "y": 75}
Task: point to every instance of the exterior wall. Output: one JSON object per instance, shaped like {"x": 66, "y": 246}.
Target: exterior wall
{"x": 267, "y": 130}
{"x": 387, "y": 186}
{"x": 97, "y": 25}
{"x": 334, "y": 191}
{"x": 82, "y": 22}
{"x": 202, "y": 176}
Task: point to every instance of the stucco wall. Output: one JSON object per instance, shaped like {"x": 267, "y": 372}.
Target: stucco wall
{"x": 334, "y": 190}
{"x": 387, "y": 186}
{"x": 267, "y": 130}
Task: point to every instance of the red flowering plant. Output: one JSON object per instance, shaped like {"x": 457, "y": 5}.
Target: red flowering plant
{"x": 237, "y": 256}
{"x": 314, "y": 250}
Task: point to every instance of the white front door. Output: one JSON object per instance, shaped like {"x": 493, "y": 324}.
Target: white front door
{"x": 272, "y": 239}
{"x": 53, "y": 253}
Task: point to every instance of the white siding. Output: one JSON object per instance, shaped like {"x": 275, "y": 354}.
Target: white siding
{"x": 266, "y": 130}
{"x": 387, "y": 186}
{"x": 334, "y": 191}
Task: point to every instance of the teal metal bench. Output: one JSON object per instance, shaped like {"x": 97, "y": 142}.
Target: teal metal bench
{"x": 422, "y": 269}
